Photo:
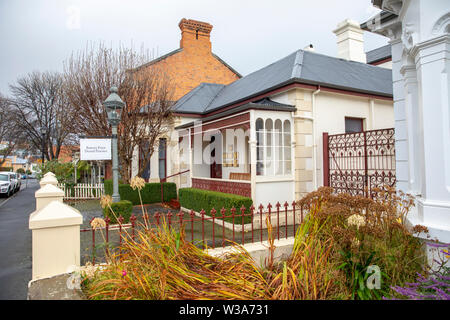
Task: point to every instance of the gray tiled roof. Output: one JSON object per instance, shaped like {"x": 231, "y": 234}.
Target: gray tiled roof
{"x": 263, "y": 104}
{"x": 199, "y": 98}
{"x": 301, "y": 67}
{"x": 379, "y": 54}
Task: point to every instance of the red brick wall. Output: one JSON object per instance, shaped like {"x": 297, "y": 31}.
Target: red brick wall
{"x": 195, "y": 63}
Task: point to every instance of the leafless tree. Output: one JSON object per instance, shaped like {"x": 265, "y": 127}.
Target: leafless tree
{"x": 8, "y": 133}
{"x": 37, "y": 103}
{"x": 147, "y": 93}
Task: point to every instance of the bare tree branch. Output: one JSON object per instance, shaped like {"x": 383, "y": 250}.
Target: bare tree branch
{"x": 147, "y": 95}
{"x": 38, "y": 102}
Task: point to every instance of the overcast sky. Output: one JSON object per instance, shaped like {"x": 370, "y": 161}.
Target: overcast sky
{"x": 247, "y": 34}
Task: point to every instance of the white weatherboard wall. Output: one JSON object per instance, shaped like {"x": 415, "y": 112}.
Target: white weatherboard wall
{"x": 420, "y": 40}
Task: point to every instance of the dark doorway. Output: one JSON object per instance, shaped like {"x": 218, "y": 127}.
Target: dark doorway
{"x": 144, "y": 150}
{"x": 215, "y": 168}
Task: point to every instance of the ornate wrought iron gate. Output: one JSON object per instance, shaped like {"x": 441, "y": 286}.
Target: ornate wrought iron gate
{"x": 358, "y": 162}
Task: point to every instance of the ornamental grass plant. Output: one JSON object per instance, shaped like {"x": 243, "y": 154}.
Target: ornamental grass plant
{"x": 368, "y": 232}
{"x": 336, "y": 246}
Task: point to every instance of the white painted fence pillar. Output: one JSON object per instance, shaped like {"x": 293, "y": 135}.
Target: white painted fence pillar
{"x": 48, "y": 178}
{"x": 55, "y": 230}
{"x": 56, "y": 240}
{"x": 47, "y": 194}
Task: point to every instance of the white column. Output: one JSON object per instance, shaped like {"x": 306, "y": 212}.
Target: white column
{"x": 401, "y": 128}
{"x": 252, "y": 144}
{"x": 432, "y": 59}
{"x": 414, "y": 127}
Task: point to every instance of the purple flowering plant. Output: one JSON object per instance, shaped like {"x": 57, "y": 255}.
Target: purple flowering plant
{"x": 434, "y": 286}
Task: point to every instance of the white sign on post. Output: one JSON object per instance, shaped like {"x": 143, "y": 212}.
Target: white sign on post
{"x": 95, "y": 149}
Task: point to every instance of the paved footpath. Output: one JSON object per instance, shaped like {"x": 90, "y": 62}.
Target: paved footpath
{"x": 15, "y": 242}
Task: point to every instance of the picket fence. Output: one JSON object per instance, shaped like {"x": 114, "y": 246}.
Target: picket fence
{"x": 82, "y": 191}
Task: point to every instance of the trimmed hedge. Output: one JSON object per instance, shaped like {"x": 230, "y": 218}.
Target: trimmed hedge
{"x": 122, "y": 208}
{"x": 198, "y": 199}
{"x": 151, "y": 193}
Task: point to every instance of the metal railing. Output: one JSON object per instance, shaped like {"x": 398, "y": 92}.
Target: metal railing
{"x": 356, "y": 163}
{"x": 162, "y": 180}
{"x": 219, "y": 228}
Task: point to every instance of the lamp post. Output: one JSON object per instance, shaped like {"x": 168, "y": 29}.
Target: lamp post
{"x": 76, "y": 158}
{"x": 113, "y": 105}
{"x": 43, "y": 133}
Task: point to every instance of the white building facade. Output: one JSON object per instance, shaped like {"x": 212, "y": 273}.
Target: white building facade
{"x": 420, "y": 41}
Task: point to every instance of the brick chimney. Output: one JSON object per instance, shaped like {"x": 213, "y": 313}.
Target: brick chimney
{"x": 350, "y": 41}
{"x": 195, "y": 35}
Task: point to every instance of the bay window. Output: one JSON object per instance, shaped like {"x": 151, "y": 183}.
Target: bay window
{"x": 273, "y": 147}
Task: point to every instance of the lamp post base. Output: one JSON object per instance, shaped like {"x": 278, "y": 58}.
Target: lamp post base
{"x": 115, "y": 198}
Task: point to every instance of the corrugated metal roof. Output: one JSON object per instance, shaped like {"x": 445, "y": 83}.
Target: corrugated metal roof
{"x": 379, "y": 54}
{"x": 301, "y": 67}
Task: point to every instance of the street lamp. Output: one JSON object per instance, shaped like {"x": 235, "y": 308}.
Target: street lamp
{"x": 43, "y": 132}
{"x": 113, "y": 105}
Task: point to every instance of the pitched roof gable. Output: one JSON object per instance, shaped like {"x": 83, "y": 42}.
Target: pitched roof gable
{"x": 301, "y": 67}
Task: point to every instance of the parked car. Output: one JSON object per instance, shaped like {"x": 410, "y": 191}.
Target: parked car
{"x": 6, "y": 184}
{"x": 18, "y": 179}
{"x": 15, "y": 180}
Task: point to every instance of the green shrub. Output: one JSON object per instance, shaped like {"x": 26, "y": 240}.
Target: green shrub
{"x": 122, "y": 208}
{"x": 198, "y": 199}
{"x": 151, "y": 193}
{"x": 6, "y": 168}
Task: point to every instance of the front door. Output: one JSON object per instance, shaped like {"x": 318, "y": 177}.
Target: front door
{"x": 215, "y": 168}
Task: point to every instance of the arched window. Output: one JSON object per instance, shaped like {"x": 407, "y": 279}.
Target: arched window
{"x": 269, "y": 148}
{"x": 259, "y": 146}
{"x": 273, "y": 147}
{"x": 287, "y": 147}
{"x": 278, "y": 144}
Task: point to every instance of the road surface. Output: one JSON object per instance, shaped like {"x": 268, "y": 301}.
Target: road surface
{"x": 15, "y": 242}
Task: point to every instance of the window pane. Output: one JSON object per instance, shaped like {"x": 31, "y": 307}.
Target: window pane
{"x": 288, "y": 168}
{"x": 287, "y": 153}
{"x": 278, "y": 167}
{"x": 353, "y": 125}
{"x": 287, "y": 126}
{"x": 259, "y": 168}
{"x": 259, "y": 153}
{"x": 162, "y": 148}
{"x": 162, "y": 169}
{"x": 259, "y": 138}
{"x": 162, "y": 158}
{"x": 269, "y": 168}
{"x": 259, "y": 124}
{"x": 287, "y": 139}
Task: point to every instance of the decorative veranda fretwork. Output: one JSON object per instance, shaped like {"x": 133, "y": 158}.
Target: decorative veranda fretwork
{"x": 359, "y": 162}
{"x": 238, "y": 188}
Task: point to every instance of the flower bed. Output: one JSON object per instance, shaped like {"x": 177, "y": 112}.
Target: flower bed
{"x": 347, "y": 248}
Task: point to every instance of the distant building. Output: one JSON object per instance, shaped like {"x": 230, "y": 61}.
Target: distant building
{"x": 15, "y": 163}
